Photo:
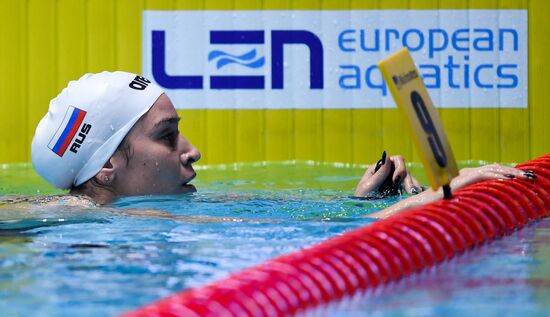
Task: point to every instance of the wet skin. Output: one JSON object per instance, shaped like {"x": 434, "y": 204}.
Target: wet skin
{"x": 160, "y": 160}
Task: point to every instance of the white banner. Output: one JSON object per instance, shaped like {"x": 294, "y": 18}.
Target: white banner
{"x": 327, "y": 59}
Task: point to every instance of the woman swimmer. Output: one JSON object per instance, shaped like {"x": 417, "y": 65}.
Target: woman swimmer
{"x": 116, "y": 134}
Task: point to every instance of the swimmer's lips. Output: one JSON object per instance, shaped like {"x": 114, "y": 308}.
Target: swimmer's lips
{"x": 189, "y": 187}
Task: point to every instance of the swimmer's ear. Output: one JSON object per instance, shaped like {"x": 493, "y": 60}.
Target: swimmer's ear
{"x": 107, "y": 173}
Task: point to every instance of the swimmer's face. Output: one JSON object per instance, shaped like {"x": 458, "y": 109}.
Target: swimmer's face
{"x": 160, "y": 160}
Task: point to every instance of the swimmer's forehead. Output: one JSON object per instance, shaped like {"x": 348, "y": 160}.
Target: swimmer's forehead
{"x": 161, "y": 115}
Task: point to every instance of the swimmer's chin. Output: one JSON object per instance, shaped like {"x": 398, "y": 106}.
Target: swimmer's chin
{"x": 188, "y": 188}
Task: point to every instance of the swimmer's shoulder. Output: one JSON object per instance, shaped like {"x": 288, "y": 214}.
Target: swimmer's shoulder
{"x": 47, "y": 201}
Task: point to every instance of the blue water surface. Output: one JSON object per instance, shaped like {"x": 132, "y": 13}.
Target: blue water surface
{"x": 58, "y": 261}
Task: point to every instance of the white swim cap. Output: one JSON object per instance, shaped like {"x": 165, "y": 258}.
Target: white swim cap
{"x": 86, "y": 123}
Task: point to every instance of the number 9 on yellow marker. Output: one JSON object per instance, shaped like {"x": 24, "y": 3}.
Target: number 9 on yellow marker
{"x": 411, "y": 96}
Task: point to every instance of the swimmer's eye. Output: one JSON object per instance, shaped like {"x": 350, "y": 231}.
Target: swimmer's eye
{"x": 170, "y": 138}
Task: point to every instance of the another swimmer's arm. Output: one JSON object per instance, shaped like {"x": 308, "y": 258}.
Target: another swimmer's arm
{"x": 466, "y": 177}
{"x": 425, "y": 197}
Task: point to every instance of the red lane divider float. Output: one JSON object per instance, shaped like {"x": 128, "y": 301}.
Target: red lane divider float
{"x": 375, "y": 254}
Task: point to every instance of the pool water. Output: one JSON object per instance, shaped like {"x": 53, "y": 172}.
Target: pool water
{"x": 506, "y": 277}
{"x": 57, "y": 261}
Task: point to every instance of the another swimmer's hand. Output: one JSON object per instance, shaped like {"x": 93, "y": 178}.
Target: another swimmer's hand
{"x": 466, "y": 177}
{"x": 392, "y": 168}
{"x": 469, "y": 176}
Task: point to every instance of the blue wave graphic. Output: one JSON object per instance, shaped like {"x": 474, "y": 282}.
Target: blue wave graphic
{"x": 246, "y": 59}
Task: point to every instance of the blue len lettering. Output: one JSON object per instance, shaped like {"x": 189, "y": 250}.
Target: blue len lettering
{"x": 237, "y": 82}
{"x": 281, "y": 37}
{"x": 159, "y": 67}
{"x": 237, "y": 37}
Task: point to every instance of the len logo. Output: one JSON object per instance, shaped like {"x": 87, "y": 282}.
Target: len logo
{"x": 279, "y": 39}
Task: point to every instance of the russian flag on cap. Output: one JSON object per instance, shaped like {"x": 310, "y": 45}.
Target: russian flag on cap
{"x": 65, "y": 133}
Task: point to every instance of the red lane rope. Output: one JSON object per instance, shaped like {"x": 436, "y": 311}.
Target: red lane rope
{"x": 372, "y": 255}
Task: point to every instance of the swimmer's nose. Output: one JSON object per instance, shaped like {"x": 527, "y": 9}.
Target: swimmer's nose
{"x": 190, "y": 156}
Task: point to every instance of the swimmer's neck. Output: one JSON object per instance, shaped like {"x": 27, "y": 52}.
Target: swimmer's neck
{"x": 101, "y": 196}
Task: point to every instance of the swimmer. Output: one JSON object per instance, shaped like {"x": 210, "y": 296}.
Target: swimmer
{"x": 109, "y": 135}
{"x": 393, "y": 170}
{"x": 116, "y": 134}
{"x": 113, "y": 134}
